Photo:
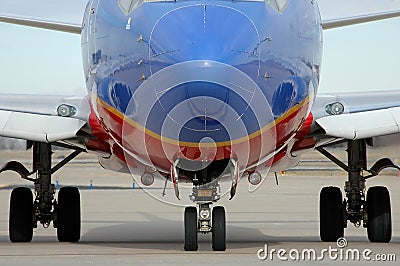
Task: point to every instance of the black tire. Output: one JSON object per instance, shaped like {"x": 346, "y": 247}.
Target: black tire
{"x": 190, "y": 229}
{"x": 379, "y": 227}
{"x": 21, "y": 215}
{"x": 331, "y": 214}
{"x": 218, "y": 229}
{"x": 69, "y": 215}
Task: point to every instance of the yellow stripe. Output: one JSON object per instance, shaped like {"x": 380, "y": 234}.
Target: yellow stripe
{"x": 195, "y": 144}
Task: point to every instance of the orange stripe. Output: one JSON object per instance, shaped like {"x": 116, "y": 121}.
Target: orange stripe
{"x": 195, "y": 144}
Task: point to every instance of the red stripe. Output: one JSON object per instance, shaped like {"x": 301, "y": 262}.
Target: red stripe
{"x": 160, "y": 153}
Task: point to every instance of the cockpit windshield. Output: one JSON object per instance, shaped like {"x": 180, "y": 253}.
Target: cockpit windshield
{"x": 279, "y": 5}
{"x": 127, "y": 6}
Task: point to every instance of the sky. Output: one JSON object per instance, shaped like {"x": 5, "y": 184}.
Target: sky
{"x": 363, "y": 57}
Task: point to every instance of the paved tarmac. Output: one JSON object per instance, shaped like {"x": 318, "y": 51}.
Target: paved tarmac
{"x": 121, "y": 226}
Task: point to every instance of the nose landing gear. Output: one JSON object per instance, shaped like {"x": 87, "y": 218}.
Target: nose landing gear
{"x": 206, "y": 190}
{"x": 204, "y": 220}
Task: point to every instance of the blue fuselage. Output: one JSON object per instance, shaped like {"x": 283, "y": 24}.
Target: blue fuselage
{"x": 216, "y": 73}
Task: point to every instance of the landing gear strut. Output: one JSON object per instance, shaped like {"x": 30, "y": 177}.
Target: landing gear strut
{"x": 372, "y": 211}
{"x": 26, "y": 212}
{"x": 44, "y": 189}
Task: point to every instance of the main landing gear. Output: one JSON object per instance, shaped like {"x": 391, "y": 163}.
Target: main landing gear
{"x": 371, "y": 209}
{"x": 26, "y": 212}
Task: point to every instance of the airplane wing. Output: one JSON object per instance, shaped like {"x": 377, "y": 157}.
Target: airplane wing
{"x": 358, "y": 115}
{"x": 36, "y": 117}
{"x": 65, "y": 16}
{"x": 42, "y": 118}
{"x": 340, "y": 13}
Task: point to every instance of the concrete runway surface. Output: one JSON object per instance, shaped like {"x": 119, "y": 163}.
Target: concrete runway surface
{"x": 121, "y": 226}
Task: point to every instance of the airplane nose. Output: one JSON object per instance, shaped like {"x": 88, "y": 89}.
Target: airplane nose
{"x": 210, "y": 56}
{"x": 202, "y": 102}
{"x": 191, "y": 100}
{"x": 204, "y": 62}
{"x": 204, "y": 32}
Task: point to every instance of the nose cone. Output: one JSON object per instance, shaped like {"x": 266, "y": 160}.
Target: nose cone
{"x": 204, "y": 32}
{"x": 188, "y": 101}
{"x": 204, "y": 61}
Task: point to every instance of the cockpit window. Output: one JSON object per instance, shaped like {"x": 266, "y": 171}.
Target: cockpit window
{"x": 279, "y": 5}
{"x": 128, "y": 6}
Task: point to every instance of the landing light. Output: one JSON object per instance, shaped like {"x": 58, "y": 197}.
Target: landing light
{"x": 255, "y": 178}
{"x": 147, "y": 179}
{"x": 335, "y": 108}
{"x": 65, "y": 110}
{"x": 204, "y": 214}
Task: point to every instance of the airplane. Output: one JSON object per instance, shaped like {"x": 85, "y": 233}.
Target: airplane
{"x": 198, "y": 95}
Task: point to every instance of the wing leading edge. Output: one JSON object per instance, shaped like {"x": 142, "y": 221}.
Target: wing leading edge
{"x": 37, "y": 127}
{"x": 64, "y": 16}
{"x": 36, "y": 118}
{"x": 67, "y": 16}
{"x": 347, "y": 21}
{"x": 340, "y": 13}
{"x": 43, "y": 24}
{"x": 362, "y": 125}
{"x": 364, "y": 115}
